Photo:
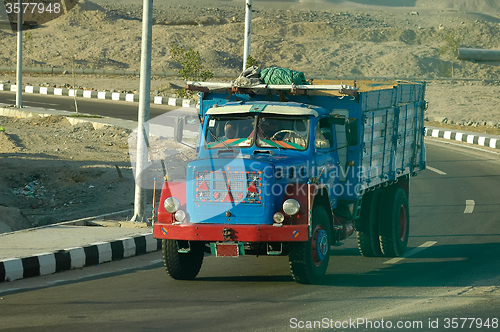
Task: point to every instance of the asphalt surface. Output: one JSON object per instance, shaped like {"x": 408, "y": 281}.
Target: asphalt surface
{"x": 116, "y": 109}
{"x": 452, "y": 270}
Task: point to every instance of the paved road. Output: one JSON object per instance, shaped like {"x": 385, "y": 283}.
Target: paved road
{"x": 117, "y": 109}
{"x": 452, "y": 271}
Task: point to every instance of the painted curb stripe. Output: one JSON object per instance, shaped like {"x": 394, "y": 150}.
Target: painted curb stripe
{"x": 31, "y": 267}
{"x": 62, "y": 260}
{"x": 116, "y": 250}
{"x": 2, "y": 272}
{"x": 47, "y": 264}
{"x": 98, "y": 95}
{"x": 13, "y": 269}
{"x": 91, "y": 255}
{"x": 462, "y": 137}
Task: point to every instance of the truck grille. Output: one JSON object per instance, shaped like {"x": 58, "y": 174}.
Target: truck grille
{"x": 228, "y": 186}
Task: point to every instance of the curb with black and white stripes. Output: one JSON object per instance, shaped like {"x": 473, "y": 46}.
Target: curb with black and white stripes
{"x": 74, "y": 258}
{"x": 471, "y": 138}
{"x": 117, "y": 96}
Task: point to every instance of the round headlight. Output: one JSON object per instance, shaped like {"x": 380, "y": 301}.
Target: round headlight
{"x": 278, "y": 217}
{"x": 180, "y": 215}
{"x": 291, "y": 207}
{"x": 172, "y": 204}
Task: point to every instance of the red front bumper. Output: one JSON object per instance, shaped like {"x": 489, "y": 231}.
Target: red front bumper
{"x": 241, "y": 233}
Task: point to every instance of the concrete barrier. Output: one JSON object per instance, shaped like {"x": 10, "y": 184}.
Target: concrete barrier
{"x": 103, "y": 95}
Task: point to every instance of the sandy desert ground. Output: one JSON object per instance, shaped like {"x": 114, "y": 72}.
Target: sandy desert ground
{"x": 336, "y": 39}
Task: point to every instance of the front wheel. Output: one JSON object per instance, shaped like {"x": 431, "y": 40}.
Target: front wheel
{"x": 309, "y": 260}
{"x": 394, "y": 223}
{"x": 182, "y": 266}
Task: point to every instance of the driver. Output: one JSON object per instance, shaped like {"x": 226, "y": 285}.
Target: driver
{"x": 230, "y": 130}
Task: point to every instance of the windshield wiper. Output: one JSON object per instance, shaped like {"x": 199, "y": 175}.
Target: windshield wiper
{"x": 219, "y": 141}
{"x": 263, "y": 132}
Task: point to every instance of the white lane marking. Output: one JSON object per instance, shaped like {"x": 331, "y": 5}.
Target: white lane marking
{"x": 156, "y": 261}
{"x": 9, "y": 290}
{"x": 469, "y": 206}
{"x": 33, "y": 102}
{"x": 411, "y": 252}
{"x": 429, "y": 141}
{"x": 435, "y": 170}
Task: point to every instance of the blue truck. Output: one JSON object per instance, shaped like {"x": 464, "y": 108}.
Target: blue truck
{"x": 293, "y": 170}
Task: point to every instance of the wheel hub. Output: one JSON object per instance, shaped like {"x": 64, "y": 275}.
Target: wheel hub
{"x": 319, "y": 245}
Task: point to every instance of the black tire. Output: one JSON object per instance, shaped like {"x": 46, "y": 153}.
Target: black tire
{"x": 308, "y": 265}
{"x": 394, "y": 223}
{"x": 182, "y": 266}
{"x": 367, "y": 232}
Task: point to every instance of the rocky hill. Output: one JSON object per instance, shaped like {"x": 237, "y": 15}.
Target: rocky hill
{"x": 343, "y": 39}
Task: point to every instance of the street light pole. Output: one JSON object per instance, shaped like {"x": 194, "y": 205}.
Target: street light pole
{"x": 19, "y": 84}
{"x": 143, "y": 116}
{"x": 248, "y": 31}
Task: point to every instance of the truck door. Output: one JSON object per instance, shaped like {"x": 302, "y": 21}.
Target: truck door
{"x": 326, "y": 155}
{"x": 341, "y": 146}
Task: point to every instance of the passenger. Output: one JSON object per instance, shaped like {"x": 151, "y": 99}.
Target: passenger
{"x": 321, "y": 141}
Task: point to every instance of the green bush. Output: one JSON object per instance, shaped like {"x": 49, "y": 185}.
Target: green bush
{"x": 449, "y": 51}
{"x": 191, "y": 67}
{"x": 251, "y": 62}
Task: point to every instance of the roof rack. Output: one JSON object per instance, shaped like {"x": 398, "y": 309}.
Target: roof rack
{"x": 294, "y": 88}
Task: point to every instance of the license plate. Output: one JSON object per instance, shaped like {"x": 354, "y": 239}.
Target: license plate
{"x": 227, "y": 249}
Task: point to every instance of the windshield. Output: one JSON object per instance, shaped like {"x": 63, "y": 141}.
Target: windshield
{"x": 281, "y": 132}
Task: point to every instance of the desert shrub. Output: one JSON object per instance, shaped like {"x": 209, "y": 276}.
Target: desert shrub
{"x": 191, "y": 67}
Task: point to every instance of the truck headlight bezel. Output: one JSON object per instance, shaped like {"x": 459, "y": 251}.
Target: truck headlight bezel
{"x": 291, "y": 207}
{"x": 171, "y": 205}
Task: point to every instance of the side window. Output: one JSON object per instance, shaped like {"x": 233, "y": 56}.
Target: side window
{"x": 324, "y": 138}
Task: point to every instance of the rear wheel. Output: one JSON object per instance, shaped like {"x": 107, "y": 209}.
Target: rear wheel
{"x": 394, "y": 223}
{"x": 309, "y": 260}
{"x": 182, "y": 266}
{"x": 368, "y": 225}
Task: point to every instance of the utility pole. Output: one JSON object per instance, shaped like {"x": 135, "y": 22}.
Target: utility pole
{"x": 19, "y": 84}
{"x": 143, "y": 117}
{"x": 248, "y": 31}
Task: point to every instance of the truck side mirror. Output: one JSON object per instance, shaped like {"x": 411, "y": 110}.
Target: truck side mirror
{"x": 190, "y": 119}
{"x": 179, "y": 128}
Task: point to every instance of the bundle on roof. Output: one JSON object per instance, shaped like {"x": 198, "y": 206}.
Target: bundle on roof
{"x": 249, "y": 77}
{"x": 278, "y": 75}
